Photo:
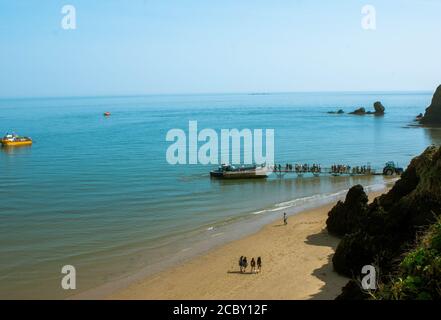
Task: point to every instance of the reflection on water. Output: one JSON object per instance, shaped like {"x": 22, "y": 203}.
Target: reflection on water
{"x": 434, "y": 134}
{"x": 16, "y": 150}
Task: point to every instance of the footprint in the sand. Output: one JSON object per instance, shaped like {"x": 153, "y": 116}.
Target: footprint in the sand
{"x": 311, "y": 222}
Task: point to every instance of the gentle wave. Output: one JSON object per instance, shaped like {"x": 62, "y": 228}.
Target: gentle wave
{"x": 318, "y": 199}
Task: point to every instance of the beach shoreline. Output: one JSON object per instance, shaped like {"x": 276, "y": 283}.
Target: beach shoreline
{"x": 296, "y": 264}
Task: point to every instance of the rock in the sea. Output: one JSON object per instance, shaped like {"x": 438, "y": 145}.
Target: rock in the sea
{"x": 433, "y": 112}
{"x": 345, "y": 216}
{"x": 392, "y": 221}
{"x": 340, "y": 111}
{"x": 359, "y": 111}
{"x": 379, "y": 108}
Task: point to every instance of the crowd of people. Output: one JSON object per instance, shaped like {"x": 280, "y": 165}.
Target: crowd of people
{"x": 345, "y": 169}
{"x": 256, "y": 265}
{"x": 298, "y": 168}
{"x": 317, "y": 169}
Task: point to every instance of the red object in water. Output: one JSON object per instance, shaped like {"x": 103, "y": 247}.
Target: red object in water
{"x": 106, "y": 114}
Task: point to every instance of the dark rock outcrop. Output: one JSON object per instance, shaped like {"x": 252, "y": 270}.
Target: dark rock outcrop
{"x": 389, "y": 225}
{"x": 359, "y": 111}
{"x": 379, "y": 108}
{"x": 352, "y": 291}
{"x": 340, "y": 111}
{"x": 345, "y": 216}
{"x": 432, "y": 115}
{"x": 353, "y": 252}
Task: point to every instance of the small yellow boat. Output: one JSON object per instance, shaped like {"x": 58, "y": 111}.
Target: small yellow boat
{"x": 13, "y": 140}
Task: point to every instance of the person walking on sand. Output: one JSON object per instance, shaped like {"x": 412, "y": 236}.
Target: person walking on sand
{"x": 259, "y": 264}
{"x": 244, "y": 264}
{"x": 285, "y": 219}
{"x": 253, "y": 265}
{"x": 241, "y": 264}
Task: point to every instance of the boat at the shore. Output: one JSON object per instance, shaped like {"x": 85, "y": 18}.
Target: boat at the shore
{"x": 14, "y": 140}
{"x": 244, "y": 172}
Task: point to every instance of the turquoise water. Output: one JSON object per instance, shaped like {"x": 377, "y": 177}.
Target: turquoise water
{"x": 98, "y": 194}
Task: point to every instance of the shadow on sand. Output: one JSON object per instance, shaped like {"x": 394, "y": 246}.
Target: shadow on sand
{"x": 242, "y": 273}
{"x": 332, "y": 281}
{"x": 279, "y": 225}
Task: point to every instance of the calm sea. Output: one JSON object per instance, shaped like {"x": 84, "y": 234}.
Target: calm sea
{"x": 97, "y": 193}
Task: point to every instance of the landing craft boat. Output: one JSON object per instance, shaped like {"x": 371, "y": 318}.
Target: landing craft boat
{"x": 244, "y": 172}
{"x": 14, "y": 140}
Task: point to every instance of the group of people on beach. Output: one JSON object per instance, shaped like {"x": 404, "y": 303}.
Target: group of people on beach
{"x": 256, "y": 265}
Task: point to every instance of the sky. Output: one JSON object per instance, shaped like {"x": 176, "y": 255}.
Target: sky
{"x": 200, "y": 46}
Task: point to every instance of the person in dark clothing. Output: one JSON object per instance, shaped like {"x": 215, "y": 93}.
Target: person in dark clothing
{"x": 253, "y": 265}
{"x": 244, "y": 264}
{"x": 259, "y": 264}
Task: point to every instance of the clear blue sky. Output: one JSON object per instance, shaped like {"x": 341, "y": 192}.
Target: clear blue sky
{"x": 201, "y": 46}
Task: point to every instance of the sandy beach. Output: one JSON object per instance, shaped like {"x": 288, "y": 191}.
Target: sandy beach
{"x": 296, "y": 264}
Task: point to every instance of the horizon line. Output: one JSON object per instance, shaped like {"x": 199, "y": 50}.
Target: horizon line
{"x": 209, "y": 93}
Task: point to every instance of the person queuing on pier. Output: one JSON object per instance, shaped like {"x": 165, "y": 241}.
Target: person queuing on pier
{"x": 316, "y": 168}
{"x": 340, "y": 169}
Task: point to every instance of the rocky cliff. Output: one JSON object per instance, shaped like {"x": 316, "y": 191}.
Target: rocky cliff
{"x": 379, "y": 233}
{"x": 433, "y": 112}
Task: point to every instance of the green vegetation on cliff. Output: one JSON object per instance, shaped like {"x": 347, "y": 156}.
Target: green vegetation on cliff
{"x": 419, "y": 273}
